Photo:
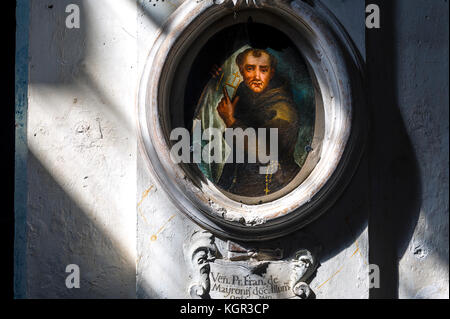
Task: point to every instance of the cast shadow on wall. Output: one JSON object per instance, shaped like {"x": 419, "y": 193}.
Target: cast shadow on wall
{"x": 395, "y": 179}
{"x": 62, "y": 234}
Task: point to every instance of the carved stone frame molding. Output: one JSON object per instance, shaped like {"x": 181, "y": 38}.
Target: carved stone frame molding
{"x": 337, "y": 71}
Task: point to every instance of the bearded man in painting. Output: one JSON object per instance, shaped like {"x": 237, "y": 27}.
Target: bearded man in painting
{"x": 261, "y": 101}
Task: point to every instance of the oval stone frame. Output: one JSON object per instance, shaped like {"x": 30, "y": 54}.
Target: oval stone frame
{"x": 337, "y": 70}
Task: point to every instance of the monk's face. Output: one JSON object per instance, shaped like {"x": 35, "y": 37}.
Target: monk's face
{"x": 257, "y": 72}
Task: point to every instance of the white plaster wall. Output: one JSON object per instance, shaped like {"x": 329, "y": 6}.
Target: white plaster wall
{"x": 422, "y": 55}
{"x": 82, "y": 149}
{"x": 161, "y": 228}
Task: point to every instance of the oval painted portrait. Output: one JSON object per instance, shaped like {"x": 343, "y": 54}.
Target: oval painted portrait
{"x": 252, "y": 110}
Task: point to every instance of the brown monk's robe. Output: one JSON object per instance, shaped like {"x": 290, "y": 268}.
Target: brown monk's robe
{"x": 272, "y": 108}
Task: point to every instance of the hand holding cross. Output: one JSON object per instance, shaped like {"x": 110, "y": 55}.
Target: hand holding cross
{"x": 226, "y": 108}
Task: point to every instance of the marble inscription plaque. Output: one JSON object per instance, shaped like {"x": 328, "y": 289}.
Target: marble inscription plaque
{"x": 263, "y": 280}
{"x": 247, "y": 272}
